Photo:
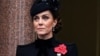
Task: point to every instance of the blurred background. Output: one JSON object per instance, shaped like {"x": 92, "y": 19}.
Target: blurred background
{"x": 81, "y": 25}
{"x": 80, "y": 19}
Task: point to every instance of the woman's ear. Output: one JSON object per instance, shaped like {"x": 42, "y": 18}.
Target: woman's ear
{"x": 55, "y": 23}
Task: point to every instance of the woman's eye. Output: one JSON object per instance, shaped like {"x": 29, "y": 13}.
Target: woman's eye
{"x": 35, "y": 18}
{"x": 45, "y": 17}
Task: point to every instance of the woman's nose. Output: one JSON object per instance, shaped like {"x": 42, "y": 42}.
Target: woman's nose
{"x": 40, "y": 22}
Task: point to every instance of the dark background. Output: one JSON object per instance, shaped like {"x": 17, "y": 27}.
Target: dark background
{"x": 81, "y": 22}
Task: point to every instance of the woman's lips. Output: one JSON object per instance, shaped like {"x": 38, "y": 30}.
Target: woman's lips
{"x": 40, "y": 28}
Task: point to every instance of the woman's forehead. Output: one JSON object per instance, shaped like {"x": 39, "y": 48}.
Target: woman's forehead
{"x": 47, "y": 12}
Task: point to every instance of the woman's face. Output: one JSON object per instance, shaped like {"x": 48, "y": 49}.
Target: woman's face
{"x": 43, "y": 23}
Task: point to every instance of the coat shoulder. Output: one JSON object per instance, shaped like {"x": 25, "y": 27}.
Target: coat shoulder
{"x": 25, "y": 50}
{"x": 72, "y": 49}
{"x": 69, "y": 45}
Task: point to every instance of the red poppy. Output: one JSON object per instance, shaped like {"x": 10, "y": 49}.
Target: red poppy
{"x": 62, "y": 48}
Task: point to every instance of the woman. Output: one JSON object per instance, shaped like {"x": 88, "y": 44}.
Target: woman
{"x": 46, "y": 24}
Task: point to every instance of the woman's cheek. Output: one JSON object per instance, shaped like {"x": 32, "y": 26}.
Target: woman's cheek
{"x": 49, "y": 26}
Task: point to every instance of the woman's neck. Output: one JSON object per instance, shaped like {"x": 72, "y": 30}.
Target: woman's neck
{"x": 45, "y": 37}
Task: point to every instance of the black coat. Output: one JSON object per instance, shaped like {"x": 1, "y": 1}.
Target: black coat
{"x": 46, "y": 47}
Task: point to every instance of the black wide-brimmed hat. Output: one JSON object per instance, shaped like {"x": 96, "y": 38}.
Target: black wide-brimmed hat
{"x": 42, "y": 5}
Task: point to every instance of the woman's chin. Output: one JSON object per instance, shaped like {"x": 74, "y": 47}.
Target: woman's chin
{"x": 41, "y": 33}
